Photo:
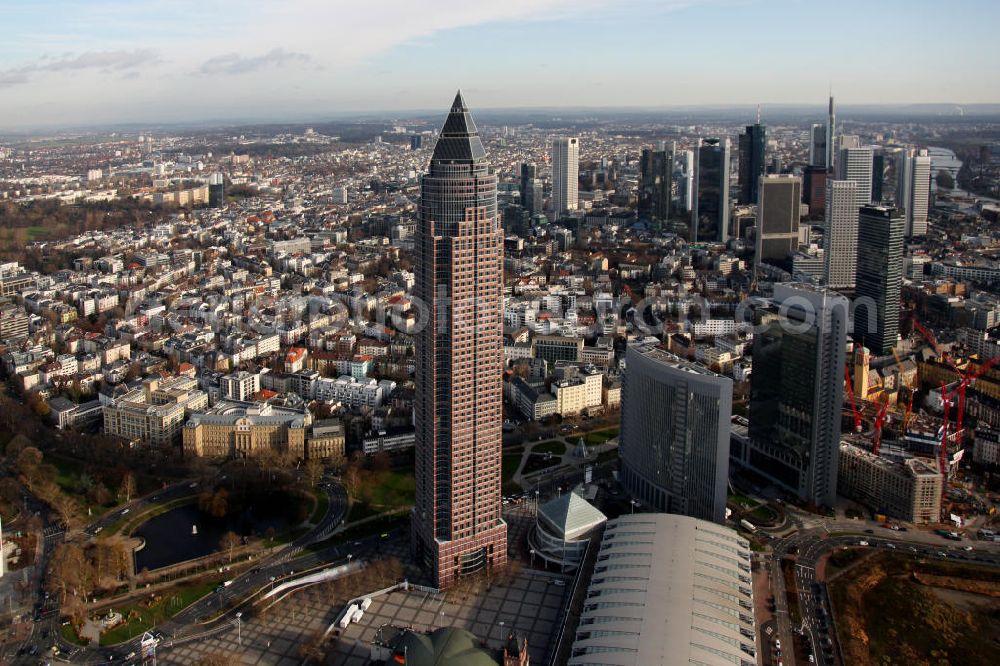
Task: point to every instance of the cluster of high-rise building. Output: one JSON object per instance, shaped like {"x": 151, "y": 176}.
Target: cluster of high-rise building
{"x": 712, "y": 284}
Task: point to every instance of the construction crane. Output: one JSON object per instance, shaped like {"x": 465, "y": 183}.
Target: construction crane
{"x": 854, "y": 404}
{"x": 955, "y": 398}
{"x": 881, "y": 416}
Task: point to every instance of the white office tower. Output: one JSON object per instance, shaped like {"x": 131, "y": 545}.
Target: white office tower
{"x": 840, "y": 239}
{"x": 684, "y": 177}
{"x": 913, "y": 190}
{"x": 855, "y": 164}
{"x": 565, "y": 174}
{"x": 817, "y": 146}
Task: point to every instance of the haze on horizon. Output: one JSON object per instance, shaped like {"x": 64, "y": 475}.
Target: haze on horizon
{"x": 83, "y": 62}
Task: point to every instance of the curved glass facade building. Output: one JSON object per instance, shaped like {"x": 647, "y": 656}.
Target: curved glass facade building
{"x": 674, "y": 442}
{"x": 457, "y": 526}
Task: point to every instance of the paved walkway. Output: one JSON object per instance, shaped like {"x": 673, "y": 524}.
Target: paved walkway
{"x": 531, "y": 604}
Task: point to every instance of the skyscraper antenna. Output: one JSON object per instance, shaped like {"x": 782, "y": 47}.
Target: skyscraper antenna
{"x": 758, "y": 114}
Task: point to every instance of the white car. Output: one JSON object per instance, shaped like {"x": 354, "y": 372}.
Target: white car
{"x": 862, "y": 543}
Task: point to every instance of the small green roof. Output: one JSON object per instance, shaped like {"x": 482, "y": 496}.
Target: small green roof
{"x": 448, "y": 646}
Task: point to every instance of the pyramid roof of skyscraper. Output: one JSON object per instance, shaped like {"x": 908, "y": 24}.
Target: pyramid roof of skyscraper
{"x": 459, "y": 140}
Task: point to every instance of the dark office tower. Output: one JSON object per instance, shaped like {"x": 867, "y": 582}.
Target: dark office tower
{"x": 878, "y": 175}
{"x": 655, "y": 185}
{"x": 831, "y": 137}
{"x": 457, "y": 527}
{"x": 879, "y": 278}
{"x": 778, "y": 218}
{"x": 814, "y": 188}
{"x": 531, "y": 189}
{"x": 817, "y": 146}
{"x": 797, "y": 389}
{"x": 216, "y": 191}
{"x": 710, "y": 216}
{"x": 416, "y": 142}
{"x": 753, "y": 144}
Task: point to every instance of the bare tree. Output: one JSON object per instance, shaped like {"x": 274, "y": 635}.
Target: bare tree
{"x": 127, "y": 489}
{"x": 314, "y": 471}
{"x": 229, "y": 542}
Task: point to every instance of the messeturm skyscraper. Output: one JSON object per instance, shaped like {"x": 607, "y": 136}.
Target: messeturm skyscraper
{"x": 457, "y": 526}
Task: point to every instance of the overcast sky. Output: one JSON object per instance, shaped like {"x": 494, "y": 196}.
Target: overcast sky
{"x": 80, "y": 62}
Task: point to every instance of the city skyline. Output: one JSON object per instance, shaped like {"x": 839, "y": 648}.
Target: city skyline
{"x": 252, "y": 61}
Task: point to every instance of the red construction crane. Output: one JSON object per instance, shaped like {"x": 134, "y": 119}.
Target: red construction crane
{"x": 854, "y": 404}
{"x": 880, "y": 419}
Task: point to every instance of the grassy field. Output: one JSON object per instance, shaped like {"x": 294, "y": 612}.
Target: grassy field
{"x": 552, "y": 446}
{"x": 385, "y": 491}
{"x": 893, "y": 609}
{"x": 144, "y": 616}
{"x": 68, "y": 632}
{"x": 320, "y": 507}
{"x": 509, "y": 465}
{"x": 600, "y": 436}
{"x": 539, "y": 461}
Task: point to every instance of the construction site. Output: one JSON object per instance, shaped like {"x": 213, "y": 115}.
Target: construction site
{"x": 906, "y": 427}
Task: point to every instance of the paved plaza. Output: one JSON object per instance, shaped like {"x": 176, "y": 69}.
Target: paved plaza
{"x": 531, "y": 603}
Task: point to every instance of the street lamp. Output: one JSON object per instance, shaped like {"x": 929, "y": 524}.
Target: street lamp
{"x": 272, "y": 583}
{"x": 239, "y": 630}
{"x": 501, "y": 623}
{"x": 632, "y": 502}
{"x": 532, "y": 558}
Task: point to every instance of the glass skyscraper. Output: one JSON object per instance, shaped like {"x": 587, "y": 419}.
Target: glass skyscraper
{"x": 710, "y": 216}
{"x": 753, "y": 145}
{"x": 879, "y": 278}
{"x": 675, "y": 434}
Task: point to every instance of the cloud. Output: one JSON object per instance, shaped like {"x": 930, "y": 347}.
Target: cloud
{"x": 105, "y": 62}
{"x": 233, "y": 63}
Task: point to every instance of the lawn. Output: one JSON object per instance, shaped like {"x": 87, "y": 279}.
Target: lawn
{"x": 321, "y": 506}
{"x": 538, "y": 461}
{"x": 764, "y": 514}
{"x": 741, "y": 500}
{"x": 389, "y": 490}
{"x": 383, "y": 491}
{"x": 552, "y": 446}
{"x": 510, "y": 464}
{"x": 600, "y": 436}
{"x": 146, "y": 616}
{"x": 68, "y": 632}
